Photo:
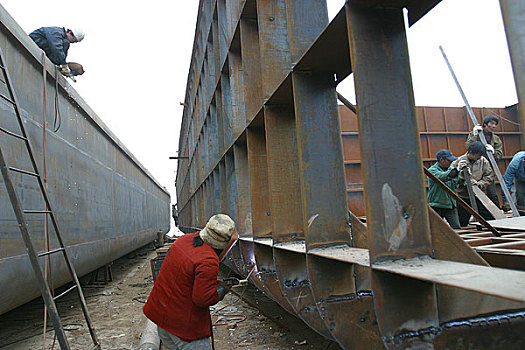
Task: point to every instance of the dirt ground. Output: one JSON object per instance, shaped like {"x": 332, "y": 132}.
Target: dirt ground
{"x": 116, "y": 311}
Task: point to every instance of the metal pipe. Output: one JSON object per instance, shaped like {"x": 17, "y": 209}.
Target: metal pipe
{"x": 490, "y": 155}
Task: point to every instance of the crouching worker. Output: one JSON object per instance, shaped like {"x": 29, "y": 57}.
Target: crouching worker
{"x": 439, "y": 199}
{"x": 187, "y": 286}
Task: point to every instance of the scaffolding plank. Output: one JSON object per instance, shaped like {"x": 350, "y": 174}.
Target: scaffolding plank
{"x": 517, "y": 223}
{"x": 488, "y": 204}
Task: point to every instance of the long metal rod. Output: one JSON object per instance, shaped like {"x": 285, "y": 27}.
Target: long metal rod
{"x": 490, "y": 155}
{"x": 461, "y": 202}
{"x": 471, "y": 195}
{"x": 347, "y": 103}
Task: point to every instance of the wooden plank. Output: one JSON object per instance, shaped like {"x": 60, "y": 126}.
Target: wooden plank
{"x": 516, "y": 223}
{"x": 488, "y": 204}
{"x": 503, "y": 283}
{"x": 479, "y": 241}
{"x": 509, "y": 259}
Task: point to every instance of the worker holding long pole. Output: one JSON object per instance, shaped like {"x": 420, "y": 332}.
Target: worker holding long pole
{"x": 187, "y": 286}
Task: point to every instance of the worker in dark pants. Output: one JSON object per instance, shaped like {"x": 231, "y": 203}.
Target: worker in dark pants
{"x": 494, "y": 144}
{"x": 187, "y": 286}
{"x": 55, "y": 41}
{"x": 515, "y": 174}
{"x": 438, "y": 198}
{"x": 481, "y": 175}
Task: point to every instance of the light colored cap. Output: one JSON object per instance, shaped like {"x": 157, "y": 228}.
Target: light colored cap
{"x": 218, "y": 231}
{"x": 78, "y": 33}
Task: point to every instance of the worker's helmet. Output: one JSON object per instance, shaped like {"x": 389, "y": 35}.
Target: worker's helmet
{"x": 78, "y": 33}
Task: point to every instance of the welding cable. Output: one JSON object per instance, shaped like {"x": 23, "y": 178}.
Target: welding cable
{"x": 240, "y": 317}
{"x": 58, "y": 118}
{"x": 47, "y": 260}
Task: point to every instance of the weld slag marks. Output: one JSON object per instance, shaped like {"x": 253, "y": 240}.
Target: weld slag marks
{"x": 264, "y": 271}
{"x": 397, "y": 219}
{"x": 340, "y": 298}
{"x": 486, "y": 320}
{"x": 425, "y": 335}
{"x": 296, "y": 283}
{"x": 428, "y": 333}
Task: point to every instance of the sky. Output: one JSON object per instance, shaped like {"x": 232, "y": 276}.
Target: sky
{"x": 136, "y": 55}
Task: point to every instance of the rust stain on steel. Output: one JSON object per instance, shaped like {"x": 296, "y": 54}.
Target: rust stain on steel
{"x": 299, "y": 162}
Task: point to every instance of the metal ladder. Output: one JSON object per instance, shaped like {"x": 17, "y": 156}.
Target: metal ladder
{"x": 20, "y": 216}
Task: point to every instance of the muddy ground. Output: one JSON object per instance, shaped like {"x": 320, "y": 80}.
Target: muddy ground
{"x": 116, "y": 311}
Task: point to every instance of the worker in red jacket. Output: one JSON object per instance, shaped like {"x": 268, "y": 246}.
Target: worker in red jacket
{"x": 187, "y": 286}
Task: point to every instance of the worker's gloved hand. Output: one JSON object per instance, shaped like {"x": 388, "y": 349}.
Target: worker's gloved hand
{"x": 475, "y": 183}
{"x": 477, "y": 129}
{"x": 462, "y": 164}
{"x": 453, "y": 173}
{"x": 64, "y": 69}
{"x": 489, "y": 148}
{"x": 221, "y": 291}
{"x": 505, "y": 207}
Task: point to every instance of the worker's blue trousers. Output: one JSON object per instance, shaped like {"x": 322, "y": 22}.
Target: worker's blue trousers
{"x": 172, "y": 342}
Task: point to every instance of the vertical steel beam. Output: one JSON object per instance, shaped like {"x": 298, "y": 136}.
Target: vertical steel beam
{"x": 237, "y": 103}
{"x": 285, "y": 202}
{"x": 231, "y": 187}
{"x": 260, "y": 205}
{"x": 283, "y": 174}
{"x": 251, "y": 67}
{"x": 323, "y": 189}
{"x": 396, "y": 208}
{"x": 226, "y": 114}
{"x": 261, "y": 214}
{"x": 514, "y": 19}
{"x": 274, "y": 44}
{"x": 321, "y": 170}
{"x": 244, "y": 219}
{"x": 306, "y": 20}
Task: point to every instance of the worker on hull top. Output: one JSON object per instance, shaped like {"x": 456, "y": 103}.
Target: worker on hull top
{"x": 494, "y": 145}
{"x": 515, "y": 174}
{"x": 55, "y": 42}
{"x": 481, "y": 175}
{"x": 438, "y": 198}
{"x": 187, "y": 286}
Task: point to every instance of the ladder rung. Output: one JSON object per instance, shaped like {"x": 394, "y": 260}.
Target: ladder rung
{"x": 8, "y": 99}
{"x": 13, "y": 134}
{"x": 65, "y": 292}
{"x": 37, "y": 211}
{"x": 23, "y": 171}
{"x": 49, "y": 252}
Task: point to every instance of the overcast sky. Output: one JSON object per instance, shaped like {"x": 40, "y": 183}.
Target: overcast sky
{"x": 137, "y": 53}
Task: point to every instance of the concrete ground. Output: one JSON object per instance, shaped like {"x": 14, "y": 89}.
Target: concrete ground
{"x": 116, "y": 311}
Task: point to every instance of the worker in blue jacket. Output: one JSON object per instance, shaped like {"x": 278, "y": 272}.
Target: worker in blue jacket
{"x": 515, "y": 174}
{"x": 55, "y": 42}
{"x": 438, "y": 198}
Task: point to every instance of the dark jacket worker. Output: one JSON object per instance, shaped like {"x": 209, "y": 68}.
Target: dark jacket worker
{"x": 187, "y": 286}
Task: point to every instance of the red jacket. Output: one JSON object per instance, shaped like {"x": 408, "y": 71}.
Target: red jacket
{"x": 185, "y": 287}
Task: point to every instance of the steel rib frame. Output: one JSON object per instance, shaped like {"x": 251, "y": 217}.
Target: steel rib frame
{"x": 265, "y": 240}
